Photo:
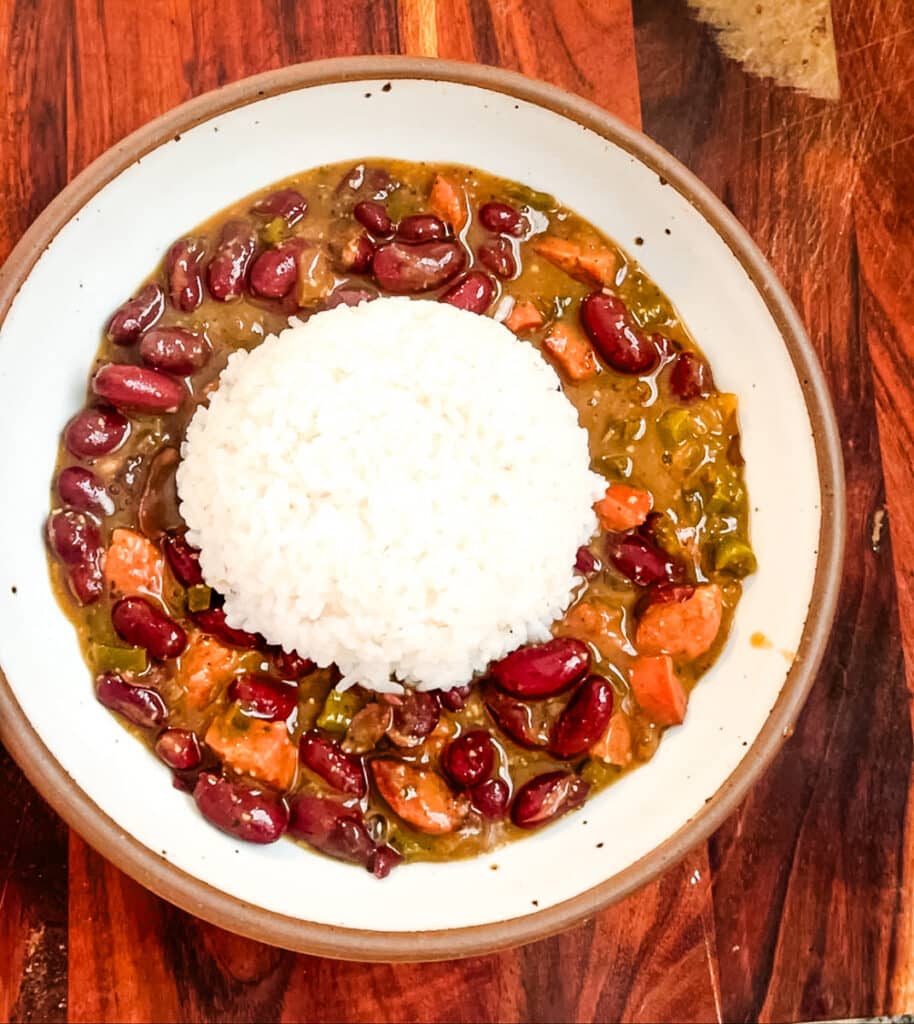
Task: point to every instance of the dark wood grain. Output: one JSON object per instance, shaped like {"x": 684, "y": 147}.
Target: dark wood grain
{"x": 33, "y": 903}
{"x": 800, "y": 906}
{"x": 806, "y": 874}
{"x": 33, "y": 857}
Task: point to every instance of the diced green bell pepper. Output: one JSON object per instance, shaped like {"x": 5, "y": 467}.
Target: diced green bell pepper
{"x": 108, "y": 658}
{"x": 734, "y": 557}
{"x": 338, "y": 711}
{"x": 676, "y": 426}
{"x": 199, "y": 597}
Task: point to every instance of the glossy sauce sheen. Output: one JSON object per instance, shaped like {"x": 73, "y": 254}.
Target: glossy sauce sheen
{"x": 241, "y": 715}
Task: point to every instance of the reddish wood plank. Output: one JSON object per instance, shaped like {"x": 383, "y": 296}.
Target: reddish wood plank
{"x": 134, "y": 957}
{"x": 34, "y": 54}
{"x": 33, "y": 900}
{"x": 806, "y": 874}
{"x": 586, "y": 46}
{"x": 607, "y": 969}
{"x": 35, "y": 49}
{"x": 884, "y": 201}
{"x": 118, "y": 961}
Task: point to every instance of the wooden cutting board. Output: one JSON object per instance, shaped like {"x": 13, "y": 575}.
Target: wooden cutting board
{"x": 799, "y": 908}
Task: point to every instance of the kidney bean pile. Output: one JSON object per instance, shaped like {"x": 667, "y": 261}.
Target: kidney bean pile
{"x": 259, "y": 737}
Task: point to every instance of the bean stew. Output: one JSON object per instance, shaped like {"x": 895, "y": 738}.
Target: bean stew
{"x": 259, "y": 737}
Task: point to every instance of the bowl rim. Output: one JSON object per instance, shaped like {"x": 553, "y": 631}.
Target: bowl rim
{"x": 199, "y": 897}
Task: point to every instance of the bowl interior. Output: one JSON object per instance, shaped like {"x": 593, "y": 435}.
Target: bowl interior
{"x": 116, "y": 238}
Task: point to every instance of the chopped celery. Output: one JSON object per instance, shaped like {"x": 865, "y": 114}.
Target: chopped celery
{"x": 338, "y": 711}
{"x": 409, "y": 844}
{"x": 617, "y": 467}
{"x": 676, "y": 426}
{"x": 402, "y": 203}
{"x": 727, "y": 495}
{"x": 275, "y": 231}
{"x": 535, "y": 200}
{"x": 199, "y": 597}
{"x": 107, "y": 658}
{"x": 735, "y": 557}
{"x": 598, "y": 772}
{"x": 690, "y": 457}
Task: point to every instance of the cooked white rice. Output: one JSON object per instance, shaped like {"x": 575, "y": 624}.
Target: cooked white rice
{"x": 399, "y": 488}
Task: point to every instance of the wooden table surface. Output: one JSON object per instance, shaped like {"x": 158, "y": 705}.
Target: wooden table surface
{"x": 802, "y": 906}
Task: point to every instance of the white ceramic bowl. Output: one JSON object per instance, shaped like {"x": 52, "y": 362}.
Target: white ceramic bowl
{"x": 105, "y": 233}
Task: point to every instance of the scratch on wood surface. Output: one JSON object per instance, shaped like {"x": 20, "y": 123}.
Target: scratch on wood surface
{"x": 878, "y": 525}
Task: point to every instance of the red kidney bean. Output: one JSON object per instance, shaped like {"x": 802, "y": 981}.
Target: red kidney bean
{"x": 586, "y": 563}
{"x": 287, "y": 203}
{"x": 544, "y": 669}
{"x": 640, "y": 560}
{"x": 291, "y": 665}
{"x": 75, "y": 540}
{"x": 157, "y": 511}
{"x": 455, "y": 698}
{"x": 497, "y": 255}
{"x": 97, "y": 430}
{"x": 72, "y": 536}
{"x": 413, "y": 719}
{"x": 501, "y": 218}
{"x": 584, "y": 719}
{"x": 179, "y": 749}
{"x": 81, "y": 489}
{"x": 519, "y": 721}
{"x": 136, "y": 315}
{"x": 332, "y": 828}
{"x": 347, "y": 297}
{"x": 546, "y": 797}
{"x": 474, "y": 292}
{"x": 138, "y": 704}
{"x": 183, "y": 559}
{"x": 491, "y": 798}
{"x": 185, "y": 280}
{"x": 616, "y": 336}
{"x": 354, "y": 255}
{"x": 470, "y": 758}
{"x": 374, "y": 217}
{"x": 275, "y": 271}
{"x": 248, "y": 814}
{"x": 86, "y": 582}
{"x": 690, "y": 378}
{"x": 228, "y": 269}
{"x": 141, "y": 624}
{"x": 212, "y": 621}
{"x": 407, "y": 269}
{"x": 174, "y": 350}
{"x": 138, "y": 389}
{"x": 422, "y": 227}
{"x": 383, "y": 861}
{"x": 262, "y": 696}
{"x": 338, "y": 769}
{"x": 366, "y": 182}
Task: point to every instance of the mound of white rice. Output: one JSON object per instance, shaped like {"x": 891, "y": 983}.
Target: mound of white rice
{"x": 399, "y": 488}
